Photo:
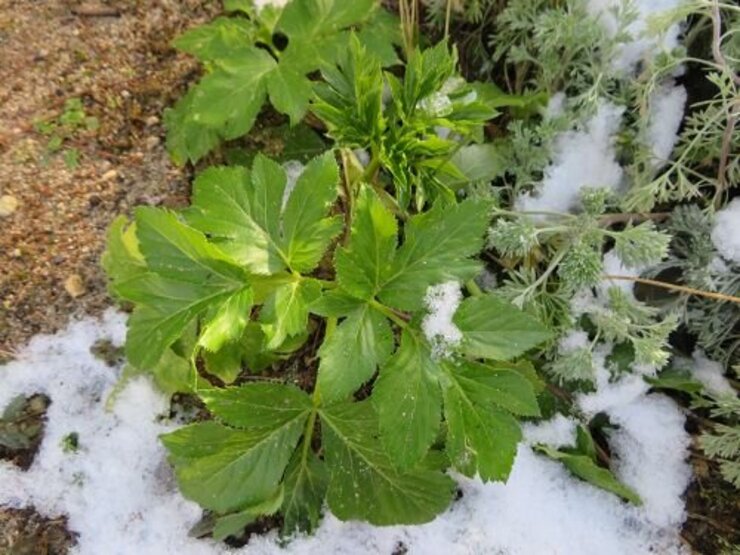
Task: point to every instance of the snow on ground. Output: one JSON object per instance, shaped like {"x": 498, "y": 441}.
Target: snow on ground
{"x": 726, "y": 231}
{"x": 121, "y": 499}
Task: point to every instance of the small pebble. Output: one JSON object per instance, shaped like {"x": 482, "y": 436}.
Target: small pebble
{"x": 8, "y": 205}
{"x": 74, "y": 286}
{"x": 152, "y": 142}
{"x": 109, "y": 175}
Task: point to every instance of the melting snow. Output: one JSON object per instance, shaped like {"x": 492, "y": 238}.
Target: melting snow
{"x": 120, "y": 497}
{"x": 442, "y": 301}
{"x": 726, "y": 231}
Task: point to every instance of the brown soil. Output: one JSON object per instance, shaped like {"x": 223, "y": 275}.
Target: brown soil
{"x": 125, "y": 73}
{"x": 26, "y": 532}
{"x": 123, "y": 70}
{"x": 712, "y": 505}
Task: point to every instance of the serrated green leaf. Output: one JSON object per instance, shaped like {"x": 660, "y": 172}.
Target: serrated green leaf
{"x": 234, "y": 523}
{"x": 380, "y": 35}
{"x": 173, "y": 374}
{"x": 306, "y": 21}
{"x": 408, "y": 400}
{"x": 188, "y": 139}
{"x": 363, "y": 266}
{"x": 482, "y": 162}
{"x": 241, "y": 211}
{"x": 225, "y": 363}
{"x": 364, "y": 483}
{"x": 170, "y": 307}
{"x": 506, "y": 388}
{"x": 351, "y": 355}
{"x": 187, "y": 277}
{"x": 230, "y": 98}
{"x": 437, "y": 248}
{"x": 229, "y": 321}
{"x": 174, "y": 250}
{"x": 257, "y": 406}
{"x": 122, "y": 259}
{"x": 223, "y": 37}
{"x": 289, "y": 92}
{"x": 481, "y": 438}
{"x": 285, "y": 313}
{"x": 224, "y": 469}
{"x": 307, "y": 231}
{"x": 585, "y": 468}
{"x": 494, "y": 328}
{"x": 247, "y": 215}
{"x": 335, "y": 303}
{"x": 306, "y": 480}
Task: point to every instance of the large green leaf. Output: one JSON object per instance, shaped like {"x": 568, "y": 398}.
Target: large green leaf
{"x": 224, "y": 469}
{"x": 289, "y": 91}
{"x": 242, "y": 212}
{"x": 363, "y": 266}
{"x": 306, "y": 480}
{"x": 224, "y": 104}
{"x": 481, "y": 438}
{"x": 285, "y": 312}
{"x": 494, "y": 328}
{"x": 234, "y": 523}
{"x": 122, "y": 259}
{"x": 173, "y": 374}
{"x": 257, "y": 406}
{"x": 307, "y": 230}
{"x": 438, "y": 247}
{"x": 351, "y": 355}
{"x": 230, "y": 98}
{"x": 187, "y": 276}
{"x": 506, "y": 388}
{"x": 188, "y": 139}
{"x": 586, "y": 468}
{"x": 255, "y": 220}
{"x": 174, "y": 250}
{"x": 364, "y": 483}
{"x": 408, "y": 401}
{"x": 229, "y": 321}
{"x": 222, "y": 37}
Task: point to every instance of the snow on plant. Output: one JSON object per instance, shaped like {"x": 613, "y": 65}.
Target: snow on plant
{"x": 441, "y": 302}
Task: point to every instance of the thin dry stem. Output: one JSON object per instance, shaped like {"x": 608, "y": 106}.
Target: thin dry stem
{"x": 674, "y": 287}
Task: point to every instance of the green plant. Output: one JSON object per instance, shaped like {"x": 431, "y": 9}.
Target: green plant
{"x": 64, "y": 127}
{"x": 238, "y": 275}
{"x": 581, "y": 460}
{"x": 266, "y": 53}
{"x": 422, "y": 135}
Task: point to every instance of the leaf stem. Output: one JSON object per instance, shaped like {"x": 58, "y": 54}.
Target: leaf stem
{"x": 390, "y": 314}
{"x": 674, "y": 287}
{"x": 473, "y": 288}
{"x": 308, "y": 432}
